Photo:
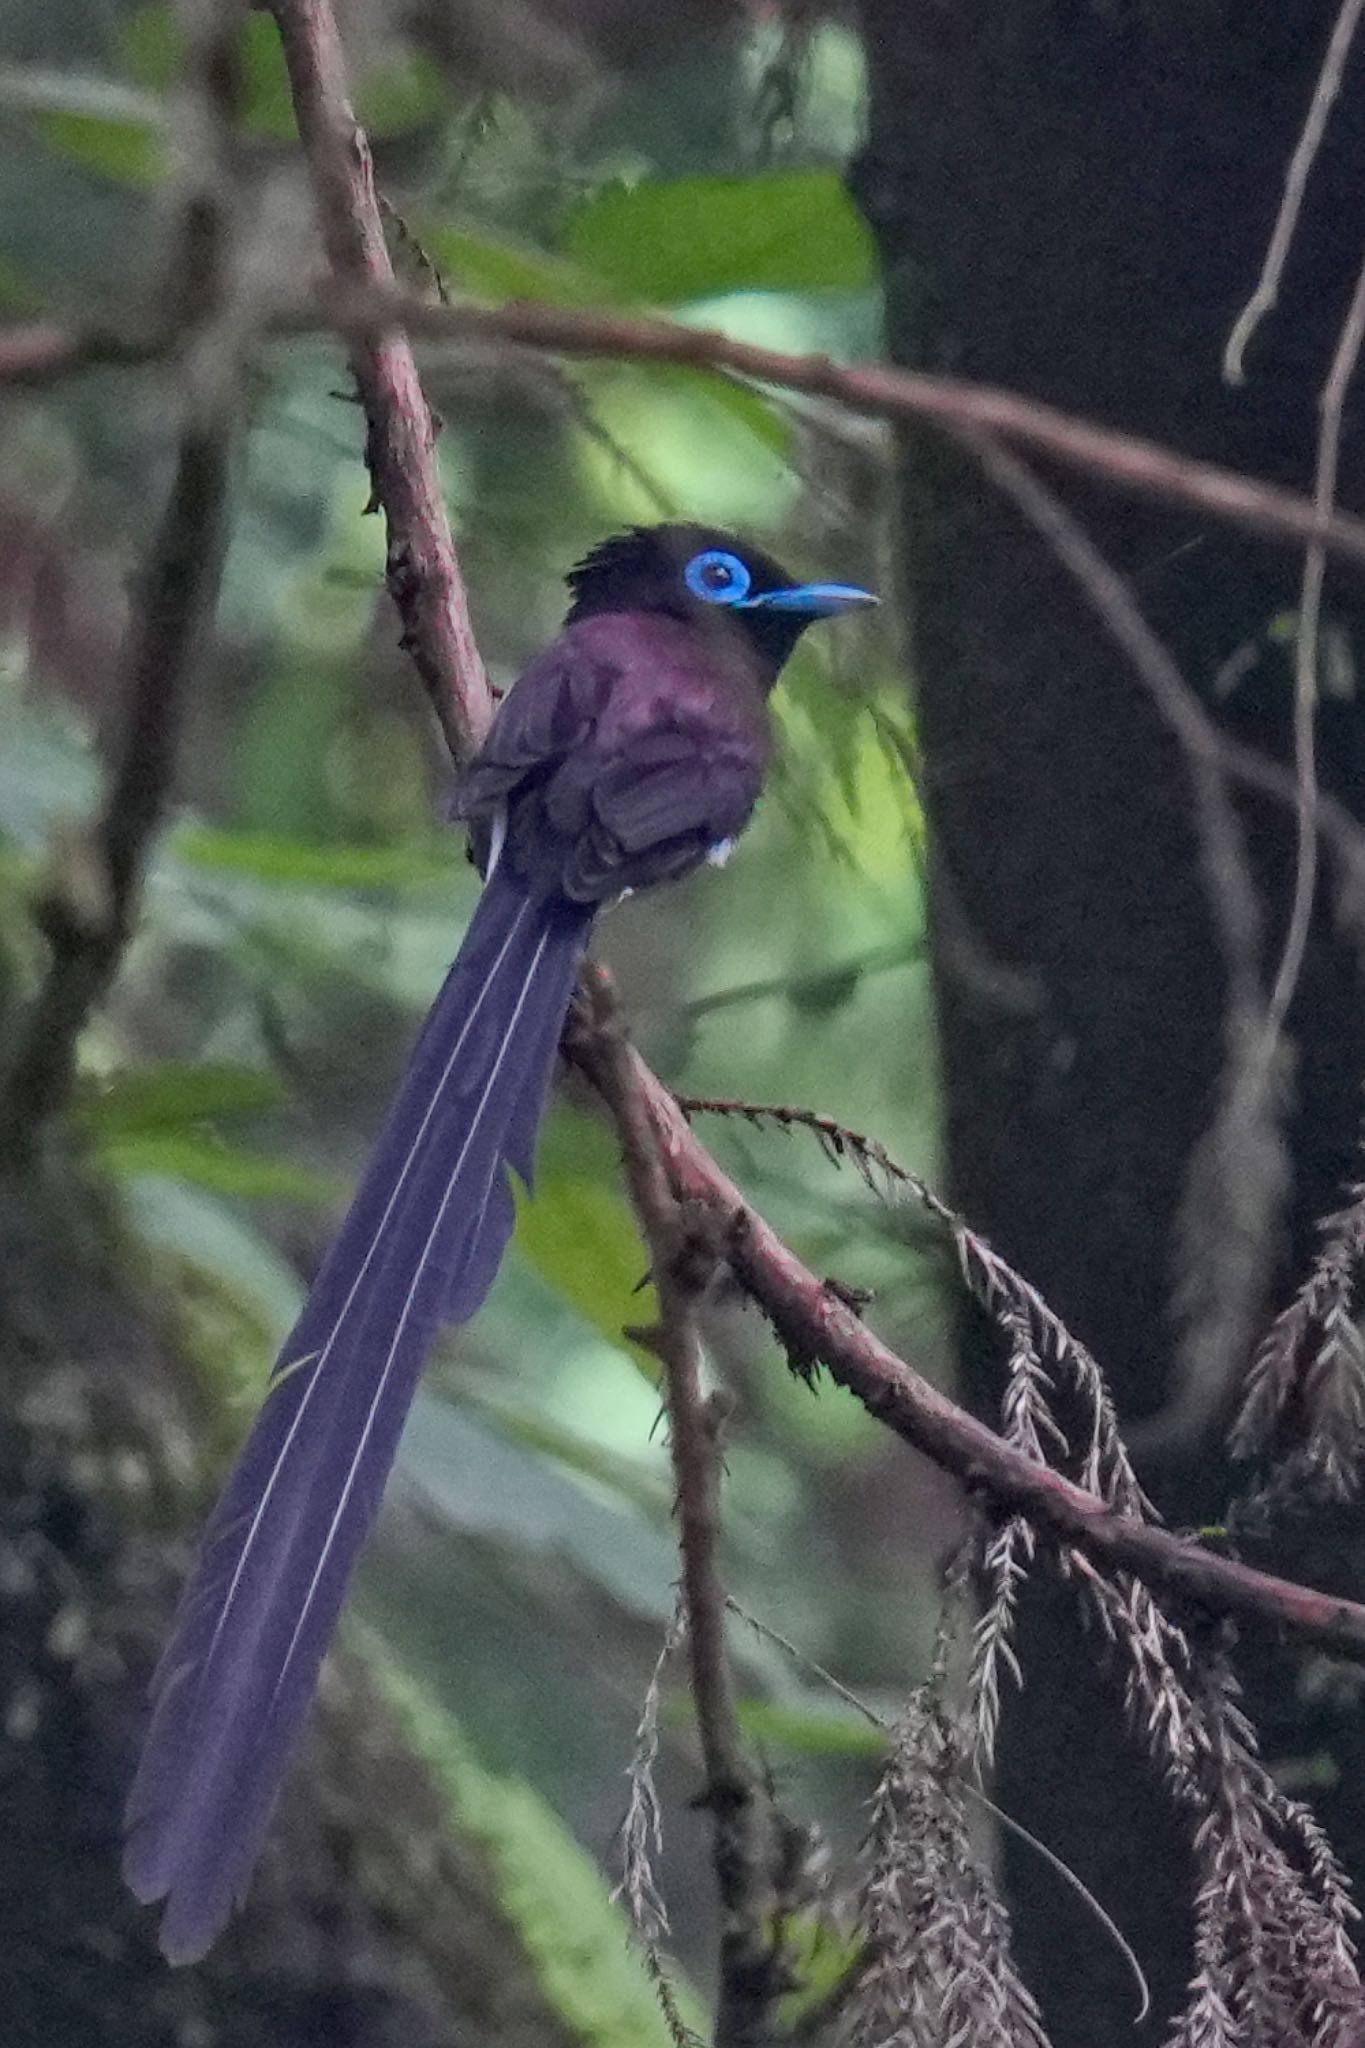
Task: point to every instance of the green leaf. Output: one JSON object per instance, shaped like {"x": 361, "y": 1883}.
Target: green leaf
{"x": 390, "y": 99}
{"x": 821, "y": 1959}
{"x": 719, "y": 449}
{"x": 267, "y": 103}
{"x": 400, "y": 96}
{"x": 696, "y": 238}
{"x": 208, "y": 1235}
{"x": 151, "y": 48}
{"x": 578, "y": 1232}
{"x": 551, "y": 1890}
{"x": 489, "y": 266}
{"x": 745, "y": 408}
{"x": 129, "y": 152}
{"x": 171, "y": 1097}
{"x": 269, "y": 857}
{"x": 471, "y": 1477}
{"x": 811, "y": 1731}
{"x": 105, "y": 127}
{"x": 17, "y": 295}
{"x": 209, "y": 1162}
{"x": 636, "y": 1482}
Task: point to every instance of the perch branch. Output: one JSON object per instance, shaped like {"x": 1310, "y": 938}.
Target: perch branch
{"x": 877, "y": 391}
{"x": 429, "y": 591}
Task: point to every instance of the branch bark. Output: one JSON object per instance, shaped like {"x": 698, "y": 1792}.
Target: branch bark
{"x": 818, "y": 1327}
{"x": 751, "y": 1978}
{"x": 400, "y": 450}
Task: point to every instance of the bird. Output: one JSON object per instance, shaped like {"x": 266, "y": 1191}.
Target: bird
{"x": 628, "y": 752}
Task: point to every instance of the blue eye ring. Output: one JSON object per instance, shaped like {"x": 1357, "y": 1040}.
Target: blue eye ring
{"x": 717, "y": 577}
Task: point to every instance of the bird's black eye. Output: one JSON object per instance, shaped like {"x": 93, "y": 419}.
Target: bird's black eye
{"x": 717, "y": 576}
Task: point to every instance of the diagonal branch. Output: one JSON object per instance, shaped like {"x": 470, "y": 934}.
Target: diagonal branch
{"x": 1326, "y": 90}
{"x": 817, "y": 1326}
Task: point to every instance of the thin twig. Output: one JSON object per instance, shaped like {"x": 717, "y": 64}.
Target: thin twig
{"x": 400, "y": 449}
{"x": 1061, "y": 1870}
{"x": 642, "y": 1828}
{"x": 642, "y": 1842}
{"x": 1239, "y": 1172}
{"x": 1222, "y": 842}
{"x": 1325, "y": 91}
{"x": 751, "y": 1978}
{"x": 1333, "y": 403}
{"x": 90, "y": 905}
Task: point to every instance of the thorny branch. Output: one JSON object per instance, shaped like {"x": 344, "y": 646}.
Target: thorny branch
{"x": 90, "y": 904}
{"x": 423, "y": 573}
{"x": 818, "y": 1327}
{"x": 427, "y": 586}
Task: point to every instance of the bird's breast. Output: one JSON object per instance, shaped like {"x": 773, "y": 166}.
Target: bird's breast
{"x": 665, "y": 675}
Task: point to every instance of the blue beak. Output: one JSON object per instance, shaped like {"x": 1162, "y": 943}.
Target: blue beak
{"x": 816, "y": 600}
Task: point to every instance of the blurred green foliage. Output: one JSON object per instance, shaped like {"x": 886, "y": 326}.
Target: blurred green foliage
{"x": 308, "y": 898}
{"x": 546, "y": 1885}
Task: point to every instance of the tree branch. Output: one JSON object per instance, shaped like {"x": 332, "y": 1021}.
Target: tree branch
{"x": 818, "y": 1327}
{"x": 89, "y": 907}
{"x": 400, "y": 450}
{"x": 1326, "y": 89}
{"x": 751, "y": 1978}
{"x": 1126, "y": 462}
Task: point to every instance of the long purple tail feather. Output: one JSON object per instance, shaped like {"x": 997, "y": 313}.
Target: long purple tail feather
{"x": 421, "y": 1245}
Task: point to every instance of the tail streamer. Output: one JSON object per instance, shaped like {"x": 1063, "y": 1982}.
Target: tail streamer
{"x": 420, "y": 1246}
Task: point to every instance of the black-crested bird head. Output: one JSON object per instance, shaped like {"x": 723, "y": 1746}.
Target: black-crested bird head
{"x": 709, "y": 578}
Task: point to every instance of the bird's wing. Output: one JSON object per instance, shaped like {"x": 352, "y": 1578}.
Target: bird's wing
{"x": 657, "y": 809}
{"x": 545, "y": 716}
